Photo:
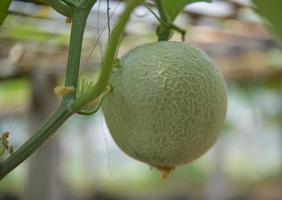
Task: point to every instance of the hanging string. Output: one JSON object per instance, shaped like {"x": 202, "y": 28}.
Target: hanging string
{"x": 108, "y": 19}
{"x": 107, "y": 25}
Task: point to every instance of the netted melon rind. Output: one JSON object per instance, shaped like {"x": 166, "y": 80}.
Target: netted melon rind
{"x": 168, "y": 103}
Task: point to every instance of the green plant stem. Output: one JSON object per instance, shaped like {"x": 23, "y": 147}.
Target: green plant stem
{"x": 50, "y": 126}
{"x": 107, "y": 63}
{"x": 76, "y": 38}
{"x": 163, "y": 32}
{"x": 98, "y": 104}
{"x": 62, "y": 113}
{"x": 61, "y": 7}
{"x": 162, "y": 13}
{"x": 168, "y": 24}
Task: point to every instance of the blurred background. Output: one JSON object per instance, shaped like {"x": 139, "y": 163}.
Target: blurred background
{"x": 81, "y": 162}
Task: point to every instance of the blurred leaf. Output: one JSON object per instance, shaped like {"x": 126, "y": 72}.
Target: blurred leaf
{"x": 271, "y": 11}
{"x": 173, "y": 8}
{"x": 32, "y": 33}
{"x": 273, "y": 85}
{"x": 4, "y": 5}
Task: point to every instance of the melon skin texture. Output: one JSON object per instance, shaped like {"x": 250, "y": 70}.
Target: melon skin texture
{"x": 168, "y": 103}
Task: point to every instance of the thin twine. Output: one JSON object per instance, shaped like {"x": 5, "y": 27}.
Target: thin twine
{"x": 107, "y": 25}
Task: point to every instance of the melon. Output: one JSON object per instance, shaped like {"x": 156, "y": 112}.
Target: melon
{"x": 168, "y": 103}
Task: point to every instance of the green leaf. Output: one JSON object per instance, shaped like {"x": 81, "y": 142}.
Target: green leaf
{"x": 173, "y": 8}
{"x": 271, "y": 11}
{"x": 4, "y": 5}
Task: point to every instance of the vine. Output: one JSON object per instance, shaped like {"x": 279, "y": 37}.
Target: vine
{"x": 78, "y": 11}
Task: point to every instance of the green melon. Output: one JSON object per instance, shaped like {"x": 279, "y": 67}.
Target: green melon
{"x": 168, "y": 104}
